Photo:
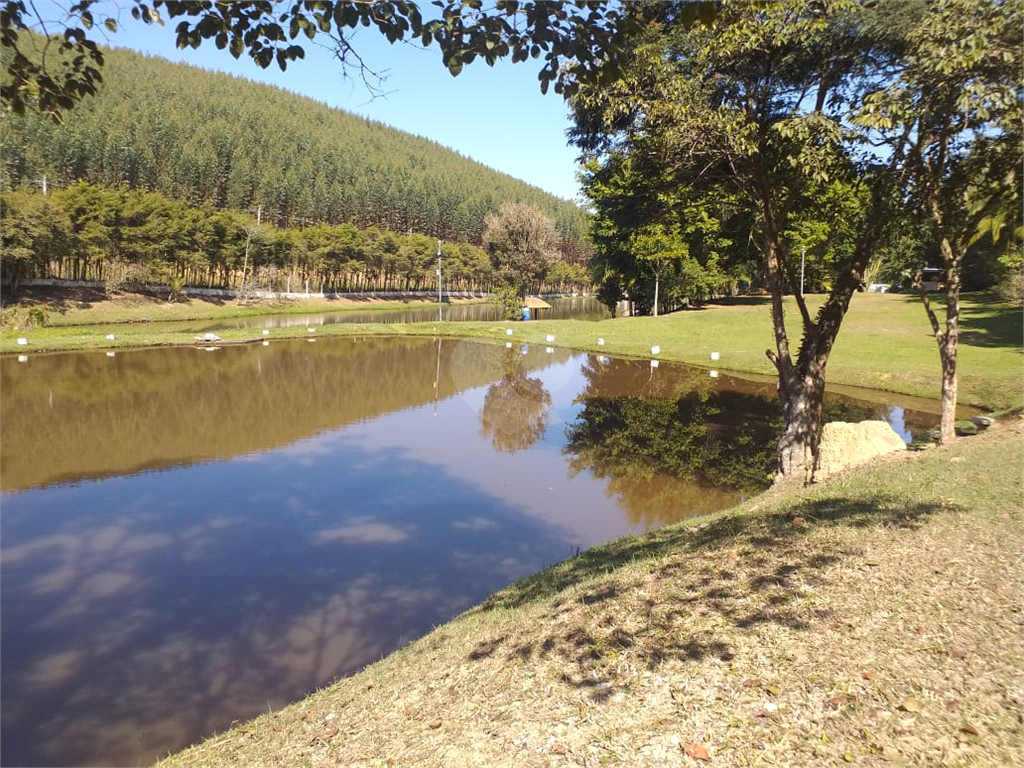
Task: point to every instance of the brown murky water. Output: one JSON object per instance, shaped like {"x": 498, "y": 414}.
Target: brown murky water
{"x": 191, "y": 537}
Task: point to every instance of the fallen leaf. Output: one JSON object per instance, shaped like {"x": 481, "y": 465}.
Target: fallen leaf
{"x": 838, "y": 701}
{"x": 558, "y": 749}
{"x": 436, "y": 724}
{"x": 772, "y": 689}
{"x": 733, "y": 554}
{"x": 696, "y": 751}
{"x": 868, "y": 675}
{"x": 971, "y": 730}
{"x": 910, "y": 705}
{"x": 798, "y": 521}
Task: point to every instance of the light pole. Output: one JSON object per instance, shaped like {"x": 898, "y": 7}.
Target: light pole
{"x": 803, "y": 255}
{"x": 439, "y": 315}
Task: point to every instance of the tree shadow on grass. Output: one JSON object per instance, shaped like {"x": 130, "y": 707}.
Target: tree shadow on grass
{"x": 701, "y": 596}
{"x": 761, "y": 530}
{"x": 992, "y": 326}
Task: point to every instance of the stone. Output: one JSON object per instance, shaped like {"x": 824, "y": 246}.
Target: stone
{"x": 846, "y": 445}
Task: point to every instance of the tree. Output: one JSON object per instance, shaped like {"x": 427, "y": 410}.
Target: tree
{"x": 523, "y": 243}
{"x": 756, "y": 108}
{"x": 955, "y": 114}
{"x": 52, "y": 64}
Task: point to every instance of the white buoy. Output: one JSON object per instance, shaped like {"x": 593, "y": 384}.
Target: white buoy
{"x": 110, "y": 337}
{"x": 22, "y": 358}
{"x": 654, "y": 363}
{"x": 508, "y": 331}
{"x": 111, "y": 354}
{"x": 655, "y": 349}
{"x": 22, "y": 341}
{"x": 600, "y": 342}
{"x": 549, "y": 350}
{"x": 550, "y": 338}
{"x": 508, "y": 345}
{"x": 714, "y": 355}
{"x": 713, "y": 374}
{"x": 266, "y": 343}
{"x": 266, "y": 332}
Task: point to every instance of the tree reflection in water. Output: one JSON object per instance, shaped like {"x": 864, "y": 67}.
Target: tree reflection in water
{"x": 516, "y": 409}
{"x": 678, "y": 444}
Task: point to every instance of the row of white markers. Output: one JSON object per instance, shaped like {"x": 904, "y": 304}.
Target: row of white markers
{"x": 655, "y": 350}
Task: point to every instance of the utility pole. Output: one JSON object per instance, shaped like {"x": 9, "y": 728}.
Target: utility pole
{"x": 440, "y": 316}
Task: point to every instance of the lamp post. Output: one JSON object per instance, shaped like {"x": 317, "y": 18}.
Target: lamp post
{"x": 803, "y": 255}
{"x": 439, "y": 315}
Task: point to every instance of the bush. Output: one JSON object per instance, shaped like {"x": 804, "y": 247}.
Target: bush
{"x": 20, "y": 319}
{"x": 1011, "y": 288}
{"x": 508, "y": 302}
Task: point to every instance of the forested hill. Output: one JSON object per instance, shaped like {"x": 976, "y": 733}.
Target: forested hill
{"x": 202, "y": 136}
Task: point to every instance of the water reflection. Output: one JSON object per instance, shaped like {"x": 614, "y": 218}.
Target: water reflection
{"x": 309, "y": 507}
{"x": 515, "y": 412}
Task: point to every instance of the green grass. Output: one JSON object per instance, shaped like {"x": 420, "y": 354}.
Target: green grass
{"x": 885, "y": 342}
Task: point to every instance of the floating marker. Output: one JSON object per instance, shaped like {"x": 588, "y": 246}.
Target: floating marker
{"x": 22, "y": 341}
{"x": 508, "y": 345}
{"x": 714, "y": 355}
{"x": 110, "y": 337}
{"x": 549, "y": 350}
{"x": 600, "y": 342}
{"x": 266, "y": 343}
{"x": 508, "y": 331}
{"x": 550, "y": 338}
{"x": 22, "y": 358}
{"x": 654, "y": 363}
{"x": 713, "y": 374}
{"x": 111, "y": 354}
{"x": 266, "y": 332}
{"x": 655, "y": 349}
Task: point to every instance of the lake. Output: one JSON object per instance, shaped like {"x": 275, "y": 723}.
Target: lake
{"x": 191, "y": 537}
{"x": 564, "y": 308}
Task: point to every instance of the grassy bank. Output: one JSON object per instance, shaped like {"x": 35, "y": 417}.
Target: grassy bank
{"x": 872, "y": 620}
{"x": 885, "y": 343}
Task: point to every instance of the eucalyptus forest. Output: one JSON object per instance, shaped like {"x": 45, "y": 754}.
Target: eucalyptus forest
{"x": 179, "y": 180}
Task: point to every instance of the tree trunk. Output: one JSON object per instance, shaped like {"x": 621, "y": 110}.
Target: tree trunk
{"x": 947, "y": 429}
{"x": 798, "y": 445}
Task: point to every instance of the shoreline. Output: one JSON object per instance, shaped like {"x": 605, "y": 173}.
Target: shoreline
{"x": 805, "y": 626}
{"x": 887, "y": 356}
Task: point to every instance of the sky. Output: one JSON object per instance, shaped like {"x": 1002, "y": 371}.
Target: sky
{"x": 494, "y": 115}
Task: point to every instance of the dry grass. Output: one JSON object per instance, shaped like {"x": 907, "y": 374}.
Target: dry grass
{"x": 874, "y": 620}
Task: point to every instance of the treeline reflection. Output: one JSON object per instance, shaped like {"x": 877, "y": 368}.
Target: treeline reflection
{"x": 673, "y": 442}
{"x": 85, "y": 415}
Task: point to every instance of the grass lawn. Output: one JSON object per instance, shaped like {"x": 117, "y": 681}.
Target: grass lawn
{"x": 873, "y": 620}
{"x": 885, "y": 342}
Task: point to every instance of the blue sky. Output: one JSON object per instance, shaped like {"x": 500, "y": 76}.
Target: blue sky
{"x": 495, "y": 115}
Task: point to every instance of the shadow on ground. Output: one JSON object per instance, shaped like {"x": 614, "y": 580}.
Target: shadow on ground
{"x": 992, "y": 326}
{"x": 701, "y": 581}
